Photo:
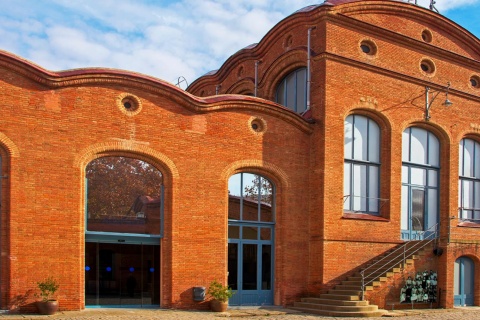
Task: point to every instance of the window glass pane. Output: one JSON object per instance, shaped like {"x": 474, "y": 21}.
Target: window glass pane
{"x": 123, "y": 195}
{"x": 418, "y": 209}
{"x": 418, "y": 176}
{"x": 360, "y": 138}
{"x": 233, "y": 266}
{"x": 250, "y": 196}
{"x": 234, "y": 196}
{"x": 467, "y": 197}
{"x": 291, "y": 92}
{"x": 266, "y": 200}
{"x": 476, "y": 200}
{"x": 250, "y": 233}
{"x": 301, "y": 102}
{"x": 234, "y": 232}
{"x": 359, "y": 188}
{"x": 460, "y": 158}
{"x": 249, "y": 267}
{"x": 281, "y": 93}
{"x": 373, "y": 189}
{"x": 404, "y": 174}
{"x": 434, "y": 150}
{"x": 406, "y": 145}
{"x": 404, "y": 219}
{"x": 432, "y": 178}
{"x": 432, "y": 207}
{"x": 266, "y": 267}
{"x": 477, "y": 161}
{"x": 265, "y": 234}
{"x": 348, "y": 144}
{"x": 468, "y": 158}
{"x": 346, "y": 185}
{"x": 418, "y": 146}
{"x": 373, "y": 142}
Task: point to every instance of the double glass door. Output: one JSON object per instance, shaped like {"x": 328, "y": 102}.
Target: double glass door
{"x": 122, "y": 274}
{"x": 250, "y": 261}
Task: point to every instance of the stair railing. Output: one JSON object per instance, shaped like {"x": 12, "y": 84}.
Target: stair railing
{"x": 399, "y": 254}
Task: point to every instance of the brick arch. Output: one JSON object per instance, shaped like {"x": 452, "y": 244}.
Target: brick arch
{"x": 9, "y": 146}
{"x": 382, "y": 121}
{"x": 279, "y": 69}
{"x": 119, "y": 148}
{"x": 246, "y": 85}
{"x": 440, "y": 132}
{"x": 270, "y": 171}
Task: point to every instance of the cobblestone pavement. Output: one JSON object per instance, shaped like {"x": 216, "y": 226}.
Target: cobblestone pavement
{"x": 469, "y": 313}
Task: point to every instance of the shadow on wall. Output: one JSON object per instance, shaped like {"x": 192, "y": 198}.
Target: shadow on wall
{"x": 23, "y": 303}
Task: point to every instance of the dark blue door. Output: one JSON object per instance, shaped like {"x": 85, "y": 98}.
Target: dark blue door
{"x": 463, "y": 286}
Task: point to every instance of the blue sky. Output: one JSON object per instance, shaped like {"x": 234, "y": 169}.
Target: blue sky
{"x": 162, "y": 38}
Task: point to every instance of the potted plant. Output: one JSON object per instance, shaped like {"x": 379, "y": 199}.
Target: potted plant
{"x": 220, "y": 295}
{"x": 48, "y": 304}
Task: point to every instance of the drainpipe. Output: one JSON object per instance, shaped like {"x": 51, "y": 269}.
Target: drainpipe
{"x": 217, "y": 88}
{"x": 256, "y": 77}
{"x": 309, "y": 76}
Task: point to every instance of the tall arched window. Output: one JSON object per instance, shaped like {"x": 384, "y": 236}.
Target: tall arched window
{"x": 251, "y": 230}
{"x": 292, "y": 91}
{"x": 420, "y": 180}
{"x": 362, "y": 165}
{"x": 469, "y": 180}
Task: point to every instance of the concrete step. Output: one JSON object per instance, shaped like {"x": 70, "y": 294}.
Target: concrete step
{"x": 336, "y": 302}
{"x": 340, "y": 297}
{"x": 332, "y": 313}
{"x": 319, "y": 306}
{"x": 335, "y": 291}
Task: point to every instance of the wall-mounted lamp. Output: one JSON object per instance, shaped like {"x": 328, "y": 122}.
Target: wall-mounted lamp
{"x": 428, "y": 103}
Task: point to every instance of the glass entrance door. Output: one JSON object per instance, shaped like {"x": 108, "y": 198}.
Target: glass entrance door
{"x": 250, "y": 265}
{"x": 122, "y": 274}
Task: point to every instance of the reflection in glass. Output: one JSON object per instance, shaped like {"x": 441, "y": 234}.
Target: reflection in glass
{"x": 123, "y": 195}
{"x": 250, "y": 198}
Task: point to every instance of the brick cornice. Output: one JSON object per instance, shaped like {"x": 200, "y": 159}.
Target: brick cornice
{"x": 393, "y": 74}
{"x": 126, "y": 79}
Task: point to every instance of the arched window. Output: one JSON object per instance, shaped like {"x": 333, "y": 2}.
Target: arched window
{"x": 292, "y": 91}
{"x": 251, "y": 230}
{"x": 420, "y": 180}
{"x": 469, "y": 180}
{"x": 362, "y": 165}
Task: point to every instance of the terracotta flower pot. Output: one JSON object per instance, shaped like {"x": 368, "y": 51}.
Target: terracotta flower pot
{"x": 218, "y": 306}
{"x": 47, "y": 307}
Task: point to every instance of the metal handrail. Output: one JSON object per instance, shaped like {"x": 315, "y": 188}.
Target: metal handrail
{"x": 400, "y": 252}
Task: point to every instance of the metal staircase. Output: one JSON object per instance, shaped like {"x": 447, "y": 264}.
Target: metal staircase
{"x": 348, "y": 298}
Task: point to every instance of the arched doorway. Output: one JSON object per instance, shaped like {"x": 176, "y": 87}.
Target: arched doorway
{"x": 464, "y": 282}
{"x": 124, "y": 224}
{"x": 251, "y": 227}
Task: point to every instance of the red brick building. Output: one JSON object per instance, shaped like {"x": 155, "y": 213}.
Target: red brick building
{"x": 331, "y": 137}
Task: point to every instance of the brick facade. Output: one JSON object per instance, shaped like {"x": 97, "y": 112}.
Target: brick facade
{"x": 54, "y": 124}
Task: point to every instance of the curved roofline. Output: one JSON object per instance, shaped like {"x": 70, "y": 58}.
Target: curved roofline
{"x": 339, "y": 6}
{"x": 106, "y": 76}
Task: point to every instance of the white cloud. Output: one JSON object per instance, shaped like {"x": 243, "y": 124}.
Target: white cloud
{"x": 165, "y": 39}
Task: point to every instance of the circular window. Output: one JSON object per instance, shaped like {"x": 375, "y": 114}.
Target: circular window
{"x": 427, "y": 36}
{"x": 475, "y": 81}
{"x": 368, "y": 47}
{"x": 129, "y": 104}
{"x": 257, "y": 125}
{"x": 427, "y": 66}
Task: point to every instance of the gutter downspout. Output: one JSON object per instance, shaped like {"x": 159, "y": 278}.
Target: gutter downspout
{"x": 256, "y": 77}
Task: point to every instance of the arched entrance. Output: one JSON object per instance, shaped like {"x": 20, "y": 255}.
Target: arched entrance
{"x": 464, "y": 282}
{"x": 251, "y": 227}
{"x": 124, "y": 224}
